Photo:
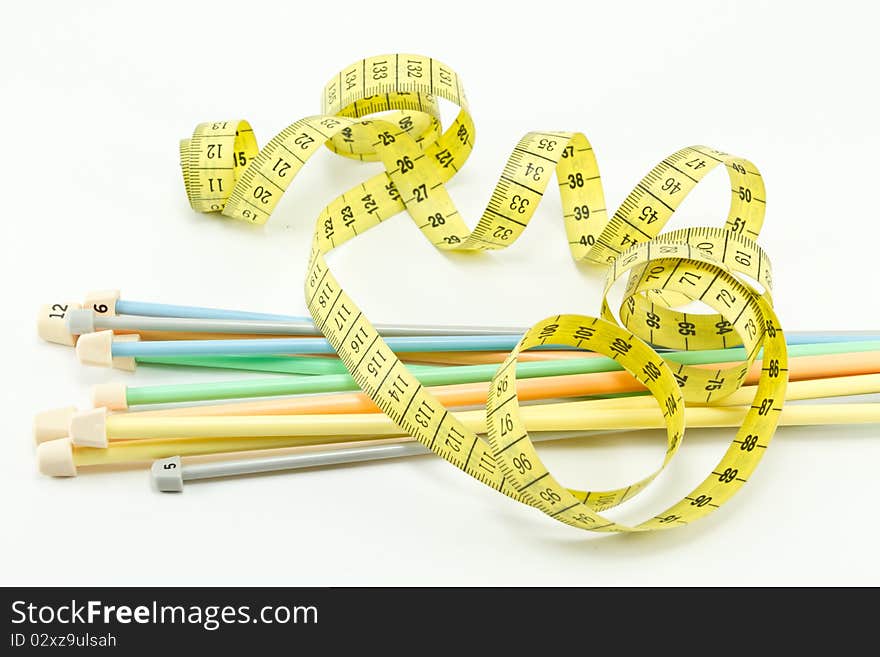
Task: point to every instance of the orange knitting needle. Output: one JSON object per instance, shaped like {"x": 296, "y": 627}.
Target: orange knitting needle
{"x": 474, "y": 394}
{"x": 489, "y": 357}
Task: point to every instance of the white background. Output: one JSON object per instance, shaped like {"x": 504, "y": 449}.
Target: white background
{"x": 95, "y": 97}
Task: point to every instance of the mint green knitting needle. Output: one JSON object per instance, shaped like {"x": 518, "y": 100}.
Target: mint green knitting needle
{"x": 438, "y": 376}
{"x": 281, "y": 364}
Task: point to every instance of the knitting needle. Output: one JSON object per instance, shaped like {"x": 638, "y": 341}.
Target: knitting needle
{"x": 859, "y": 357}
{"x": 169, "y": 474}
{"x": 100, "y": 348}
{"x": 84, "y": 321}
{"x": 59, "y": 457}
{"x": 848, "y": 374}
{"x": 97, "y": 429}
{"x": 110, "y": 302}
{"x": 113, "y": 396}
{"x": 557, "y": 387}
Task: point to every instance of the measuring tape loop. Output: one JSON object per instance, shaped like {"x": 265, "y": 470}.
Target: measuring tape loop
{"x": 224, "y": 171}
{"x": 648, "y": 313}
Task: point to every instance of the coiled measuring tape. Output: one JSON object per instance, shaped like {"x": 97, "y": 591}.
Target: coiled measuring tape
{"x": 225, "y": 171}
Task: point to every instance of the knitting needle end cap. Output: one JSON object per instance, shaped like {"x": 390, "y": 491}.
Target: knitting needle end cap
{"x": 97, "y": 349}
{"x": 112, "y": 396}
{"x": 89, "y": 428}
{"x": 52, "y": 424}
{"x": 167, "y": 475}
{"x": 52, "y": 323}
{"x": 102, "y": 302}
{"x": 55, "y": 458}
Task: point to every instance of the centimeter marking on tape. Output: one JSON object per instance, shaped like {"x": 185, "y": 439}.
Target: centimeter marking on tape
{"x": 224, "y": 171}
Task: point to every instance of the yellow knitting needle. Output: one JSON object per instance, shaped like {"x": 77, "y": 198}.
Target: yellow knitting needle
{"x": 160, "y": 437}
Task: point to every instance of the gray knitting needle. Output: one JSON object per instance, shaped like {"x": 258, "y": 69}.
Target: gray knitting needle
{"x": 80, "y": 322}
{"x": 169, "y": 474}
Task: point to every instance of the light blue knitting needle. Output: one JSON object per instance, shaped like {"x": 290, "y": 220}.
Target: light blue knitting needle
{"x": 300, "y": 346}
{"x": 148, "y": 309}
{"x": 279, "y": 346}
{"x": 196, "y": 319}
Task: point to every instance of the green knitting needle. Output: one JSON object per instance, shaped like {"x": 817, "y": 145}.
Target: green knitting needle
{"x": 438, "y": 376}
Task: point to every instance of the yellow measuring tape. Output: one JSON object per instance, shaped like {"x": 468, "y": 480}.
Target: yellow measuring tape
{"x": 225, "y": 171}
